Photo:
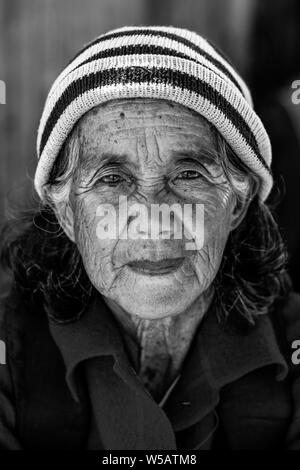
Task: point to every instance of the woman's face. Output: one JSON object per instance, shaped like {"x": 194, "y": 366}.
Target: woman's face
{"x": 149, "y": 152}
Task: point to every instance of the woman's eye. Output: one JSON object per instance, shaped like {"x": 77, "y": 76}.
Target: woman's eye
{"x": 188, "y": 175}
{"x": 111, "y": 179}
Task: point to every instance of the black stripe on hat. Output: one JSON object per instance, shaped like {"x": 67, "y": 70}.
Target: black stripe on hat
{"x": 130, "y": 75}
{"x": 138, "y": 49}
{"x": 165, "y": 34}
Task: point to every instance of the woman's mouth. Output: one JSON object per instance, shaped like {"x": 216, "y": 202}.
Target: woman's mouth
{"x": 156, "y": 268}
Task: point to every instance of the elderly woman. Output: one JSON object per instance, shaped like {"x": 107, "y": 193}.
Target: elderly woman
{"x": 150, "y": 307}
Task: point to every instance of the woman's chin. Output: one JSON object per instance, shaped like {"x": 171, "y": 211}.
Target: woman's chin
{"x": 147, "y": 311}
{"x": 154, "y": 303}
{"x": 152, "y": 296}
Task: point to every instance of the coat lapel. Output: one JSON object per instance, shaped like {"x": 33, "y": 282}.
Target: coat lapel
{"x": 125, "y": 414}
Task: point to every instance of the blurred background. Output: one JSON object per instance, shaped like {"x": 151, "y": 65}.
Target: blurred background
{"x": 262, "y": 39}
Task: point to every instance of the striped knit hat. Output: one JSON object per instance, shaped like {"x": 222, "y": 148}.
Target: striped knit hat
{"x": 154, "y": 62}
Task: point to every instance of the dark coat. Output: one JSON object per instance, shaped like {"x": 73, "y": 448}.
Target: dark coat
{"x": 73, "y": 386}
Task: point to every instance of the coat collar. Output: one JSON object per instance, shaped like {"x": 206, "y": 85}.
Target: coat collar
{"x": 217, "y": 357}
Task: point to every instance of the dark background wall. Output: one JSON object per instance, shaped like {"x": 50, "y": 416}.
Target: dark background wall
{"x": 38, "y": 37}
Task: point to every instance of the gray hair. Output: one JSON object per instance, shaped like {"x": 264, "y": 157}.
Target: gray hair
{"x": 243, "y": 181}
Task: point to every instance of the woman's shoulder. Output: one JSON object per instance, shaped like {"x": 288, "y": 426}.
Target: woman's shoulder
{"x": 10, "y": 321}
{"x": 292, "y": 306}
{"x": 20, "y": 321}
{"x": 4, "y": 294}
{"x": 290, "y": 314}
{"x": 8, "y": 304}
{"x": 290, "y": 311}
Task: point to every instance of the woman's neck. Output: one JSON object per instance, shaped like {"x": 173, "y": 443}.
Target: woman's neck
{"x": 163, "y": 343}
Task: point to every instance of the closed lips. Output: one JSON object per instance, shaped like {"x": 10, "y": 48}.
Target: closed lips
{"x": 163, "y": 266}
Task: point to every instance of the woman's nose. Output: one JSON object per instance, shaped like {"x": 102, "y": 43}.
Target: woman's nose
{"x": 154, "y": 221}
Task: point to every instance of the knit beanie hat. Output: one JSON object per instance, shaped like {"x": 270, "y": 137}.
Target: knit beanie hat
{"x": 154, "y": 62}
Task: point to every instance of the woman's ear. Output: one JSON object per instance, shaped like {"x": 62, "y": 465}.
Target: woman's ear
{"x": 65, "y": 217}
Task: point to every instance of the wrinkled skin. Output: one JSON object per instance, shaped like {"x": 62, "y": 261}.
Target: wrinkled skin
{"x": 165, "y": 155}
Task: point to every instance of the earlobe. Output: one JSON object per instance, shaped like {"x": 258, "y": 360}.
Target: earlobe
{"x": 65, "y": 217}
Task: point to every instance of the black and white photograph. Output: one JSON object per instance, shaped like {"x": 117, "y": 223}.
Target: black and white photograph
{"x": 149, "y": 228}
